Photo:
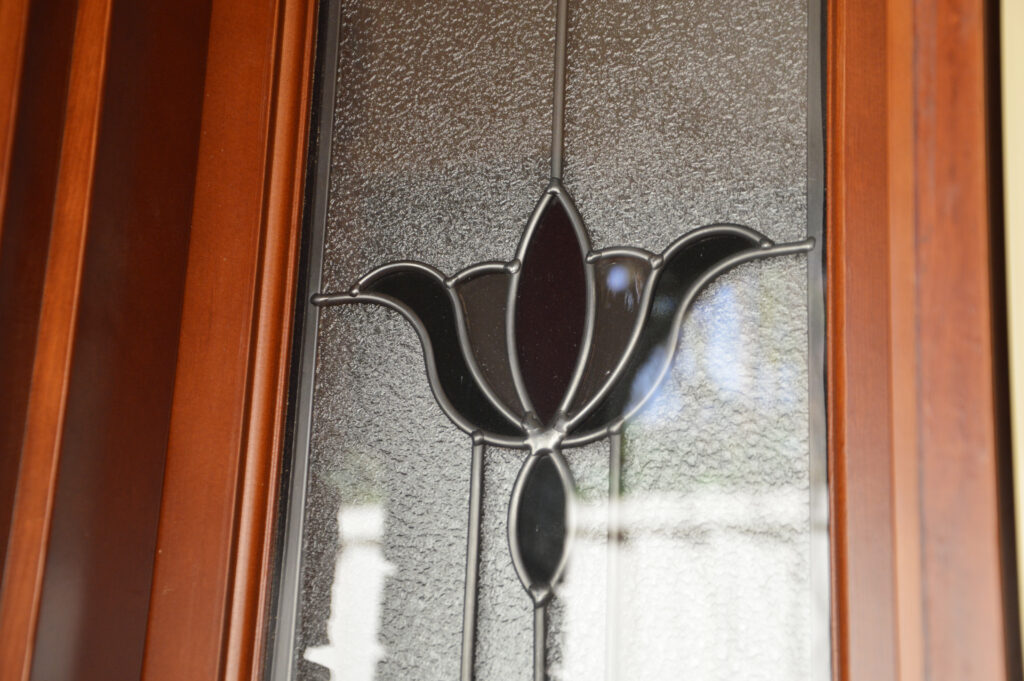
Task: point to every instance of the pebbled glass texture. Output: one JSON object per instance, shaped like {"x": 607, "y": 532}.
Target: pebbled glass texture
{"x": 677, "y": 115}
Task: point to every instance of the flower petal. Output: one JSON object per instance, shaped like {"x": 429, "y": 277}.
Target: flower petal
{"x": 620, "y": 279}
{"x": 538, "y": 523}
{"x": 420, "y": 293}
{"x": 550, "y": 305}
{"x": 484, "y": 299}
{"x": 689, "y": 265}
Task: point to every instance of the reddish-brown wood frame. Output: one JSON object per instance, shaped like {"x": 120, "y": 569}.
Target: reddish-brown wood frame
{"x": 212, "y": 575}
{"x": 915, "y": 408}
{"x": 917, "y": 453}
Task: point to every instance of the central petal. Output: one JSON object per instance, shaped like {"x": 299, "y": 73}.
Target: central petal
{"x": 551, "y": 303}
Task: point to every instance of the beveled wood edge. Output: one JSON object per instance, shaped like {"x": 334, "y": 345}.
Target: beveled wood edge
{"x": 268, "y": 395}
{"x": 1012, "y": 87}
{"x": 969, "y": 613}
{"x": 835, "y": 47}
{"x": 863, "y": 629}
{"x": 33, "y": 505}
{"x": 903, "y": 333}
{"x": 911, "y": 178}
{"x": 211, "y": 583}
{"x": 13, "y": 30}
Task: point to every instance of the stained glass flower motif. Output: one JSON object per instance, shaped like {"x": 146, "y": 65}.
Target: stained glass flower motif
{"x": 555, "y": 348}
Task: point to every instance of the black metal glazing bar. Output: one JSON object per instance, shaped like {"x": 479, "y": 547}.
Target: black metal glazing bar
{"x": 476, "y": 485}
{"x": 540, "y": 648}
{"x": 614, "y": 536}
{"x": 817, "y": 423}
{"x": 558, "y": 108}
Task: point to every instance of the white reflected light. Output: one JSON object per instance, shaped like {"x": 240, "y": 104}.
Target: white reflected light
{"x": 359, "y": 574}
{"x": 618, "y": 279}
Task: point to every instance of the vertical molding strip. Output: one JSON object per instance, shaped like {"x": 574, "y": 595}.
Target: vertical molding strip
{"x": 211, "y": 579}
{"x": 959, "y": 367}
{"x": 33, "y": 506}
{"x": 915, "y": 398}
{"x": 272, "y": 333}
{"x": 903, "y": 337}
{"x": 13, "y": 31}
{"x": 860, "y": 447}
{"x": 1012, "y": 28}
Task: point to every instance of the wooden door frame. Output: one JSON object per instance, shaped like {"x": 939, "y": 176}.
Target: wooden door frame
{"x": 924, "y": 586}
{"x": 917, "y": 443}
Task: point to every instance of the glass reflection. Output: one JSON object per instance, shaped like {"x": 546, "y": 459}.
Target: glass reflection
{"x": 354, "y": 648}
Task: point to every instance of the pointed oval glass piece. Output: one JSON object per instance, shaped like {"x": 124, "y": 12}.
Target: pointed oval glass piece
{"x": 551, "y": 303}
{"x": 540, "y": 523}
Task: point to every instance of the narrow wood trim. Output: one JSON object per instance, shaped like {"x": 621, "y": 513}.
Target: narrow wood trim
{"x": 13, "y": 31}
{"x": 213, "y": 548}
{"x": 959, "y": 404}
{"x": 1012, "y": 87}
{"x": 902, "y": 246}
{"x": 859, "y": 362}
{"x": 269, "y": 371}
{"x": 25, "y": 219}
{"x": 26, "y": 556}
{"x": 914, "y": 360}
{"x": 189, "y": 601}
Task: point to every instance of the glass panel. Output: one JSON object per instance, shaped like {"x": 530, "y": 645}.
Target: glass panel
{"x": 561, "y": 423}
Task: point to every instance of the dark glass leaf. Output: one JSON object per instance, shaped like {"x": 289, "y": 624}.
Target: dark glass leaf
{"x": 427, "y": 298}
{"x": 550, "y": 309}
{"x": 681, "y": 271}
{"x": 484, "y": 300}
{"x": 541, "y": 522}
{"x": 620, "y": 281}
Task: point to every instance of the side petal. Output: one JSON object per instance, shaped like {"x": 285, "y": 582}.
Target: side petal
{"x": 620, "y": 277}
{"x": 420, "y": 294}
{"x": 687, "y": 266}
{"x": 483, "y": 300}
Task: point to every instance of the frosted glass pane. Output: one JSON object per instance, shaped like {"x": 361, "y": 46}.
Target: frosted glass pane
{"x": 678, "y": 115}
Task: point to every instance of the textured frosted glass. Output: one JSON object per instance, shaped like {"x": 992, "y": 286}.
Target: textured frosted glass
{"x": 678, "y": 114}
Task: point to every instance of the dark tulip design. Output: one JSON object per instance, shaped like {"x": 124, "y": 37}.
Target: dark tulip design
{"x": 556, "y": 348}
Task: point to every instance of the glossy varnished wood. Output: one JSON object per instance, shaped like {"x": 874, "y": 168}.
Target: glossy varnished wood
{"x": 13, "y": 35}
{"x": 98, "y": 574}
{"x": 27, "y": 547}
{"x": 915, "y": 397}
{"x": 212, "y": 571}
{"x": 967, "y": 634}
{"x": 860, "y": 439}
{"x": 25, "y": 212}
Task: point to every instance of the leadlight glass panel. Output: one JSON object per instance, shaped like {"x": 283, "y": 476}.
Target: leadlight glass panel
{"x": 568, "y": 436}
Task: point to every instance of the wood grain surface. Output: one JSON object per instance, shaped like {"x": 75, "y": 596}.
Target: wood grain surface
{"x": 918, "y": 451}
{"x": 26, "y": 209}
{"x": 32, "y": 512}
{"x": 213, "y": 552}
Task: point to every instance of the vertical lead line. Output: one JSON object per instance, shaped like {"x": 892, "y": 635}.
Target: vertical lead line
{"x": 611, "y": 671}
{"x": 558, "y": 110}
{"x": 476, "y": 483}
{"x": 540, "y": 652}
